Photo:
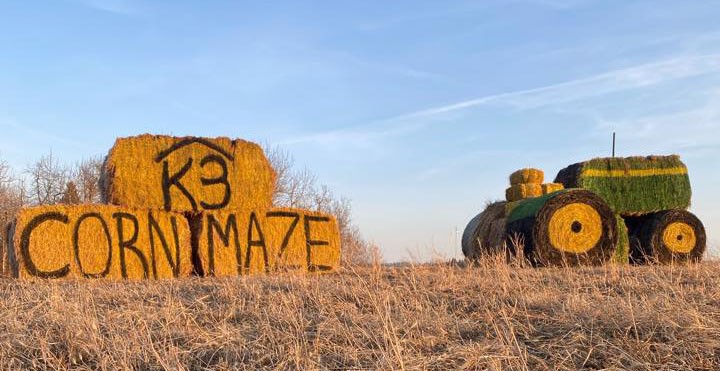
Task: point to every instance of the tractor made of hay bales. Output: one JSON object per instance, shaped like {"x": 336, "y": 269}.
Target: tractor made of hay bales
{"x": 630, "y": 209}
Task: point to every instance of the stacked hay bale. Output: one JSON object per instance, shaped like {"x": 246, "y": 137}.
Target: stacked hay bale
{"x": 486, "y": 232}
{"x": 225, "y": 186}
{"x": 525, "y": 183}
{"x": 528, "y": 183}
{"x": 652, "y": 195}
{"x": 179, "y": 204}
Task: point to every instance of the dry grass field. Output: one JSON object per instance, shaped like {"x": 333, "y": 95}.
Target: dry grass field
{"x": 440, "y": 316}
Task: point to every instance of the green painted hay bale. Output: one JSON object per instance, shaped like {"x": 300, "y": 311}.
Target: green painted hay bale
{"x": 622, "y": 249}
{"x": 568, "y": 227}
{"x": 633, "y": 185}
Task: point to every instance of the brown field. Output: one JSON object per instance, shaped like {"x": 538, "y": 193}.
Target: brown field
{"x": 415, "y": 317}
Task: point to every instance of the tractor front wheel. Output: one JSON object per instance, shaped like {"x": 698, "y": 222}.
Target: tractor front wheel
{"x": 671, "y": 236}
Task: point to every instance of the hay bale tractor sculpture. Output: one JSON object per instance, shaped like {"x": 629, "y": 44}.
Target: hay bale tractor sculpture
{"x": 606, "y": 209}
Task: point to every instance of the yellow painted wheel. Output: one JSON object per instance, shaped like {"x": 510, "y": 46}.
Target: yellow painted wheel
{"x": 575, "y": 228}
{"x": 570, "y": 227}
{"x": 667, "y": 237}
{"x": 679, "y": 237}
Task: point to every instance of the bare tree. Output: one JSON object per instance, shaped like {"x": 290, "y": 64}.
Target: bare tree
{"x": 12, "y": 196}
{"x": 71, "y": 195}
{"x": 86, "y": 176}
{"x": 292, "y": 188}
{"x": 282, "y": 164}
{"x": 48, "y": 179}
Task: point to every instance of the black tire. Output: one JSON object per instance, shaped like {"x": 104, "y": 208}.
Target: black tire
{"x": 671, "y": 236}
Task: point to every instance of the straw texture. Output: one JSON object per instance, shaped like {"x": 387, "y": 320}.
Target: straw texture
{"x": 668, "y": 236}
{"x": 188, "y": 174}
{"x": 527, "y": 176}
{"x": 486, "y": 232}
{"x": 519, "y": 192}
{"x": 97, "y": 241}
{"x": 570, "y": 227}
{"x": 633, "y": 185}
{"x": 281, "y": 239}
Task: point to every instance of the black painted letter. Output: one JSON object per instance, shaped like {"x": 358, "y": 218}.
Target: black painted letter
{"x": 230, "y": 227}
{"x": 25, "y": 245}
{"x": 286, "y": 241}
{"x": 309, "y": 242}
{"x": 76, "y": 245}
{"x": 222, "y": 179}
{"x": 255, "y": 243}
{"x": 130, "y": 243}
{"x": 174, "y": 180}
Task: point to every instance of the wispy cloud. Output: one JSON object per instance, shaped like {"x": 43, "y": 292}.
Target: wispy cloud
{"x": 124, "y": 7}
{"x": 692, "y": 131}
{"x": 615, "y": 81}
{"x": 558, "y": 4}
{"x": 606, "y": 83}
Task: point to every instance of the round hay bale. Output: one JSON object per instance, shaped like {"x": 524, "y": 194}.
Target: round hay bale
{"x": 668, "y": 236}
{"x": 571, "y": 227}
{"x": 527, "y": 176}
{"x": 485, "y": 232}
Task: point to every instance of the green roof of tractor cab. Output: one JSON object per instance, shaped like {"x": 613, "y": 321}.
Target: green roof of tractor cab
{"x": 633, "y": 185}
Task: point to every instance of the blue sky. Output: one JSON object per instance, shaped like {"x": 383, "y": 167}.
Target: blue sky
{"x": 415, "y": 110}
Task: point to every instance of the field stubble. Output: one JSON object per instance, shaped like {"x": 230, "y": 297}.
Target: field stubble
{"x": 435, "y": 316}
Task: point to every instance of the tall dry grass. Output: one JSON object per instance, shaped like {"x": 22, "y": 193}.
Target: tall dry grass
{"x": 491, "y": 316}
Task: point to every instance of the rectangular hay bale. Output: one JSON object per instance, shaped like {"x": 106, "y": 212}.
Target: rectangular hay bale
{"x": 281, "y": 239}
{"x": 519, "y": 192}
{"x": 633, "y": 185}
{"x": 188, "y": 174}
{"x": 97, "y": 241}
{"x": 527, "y": 176}
{"x": 548, "y": 188}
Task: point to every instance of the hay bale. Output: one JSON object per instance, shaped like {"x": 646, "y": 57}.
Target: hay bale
{"x": 519, "y": 192}
{"x": 281, "y": 239}
{"x": 98, "y": 241}
{"x": 188, "y": 174}
{"x": 485, "y": 232}
{"x": 633, "y": 185}
{"x": 527, "y": 176}
{"x": 548, "y": 188}
{"x": 668, "y": 236}
{"x": 510, "y": 206}
{"x": 570, "y": 227}
{"x": 622, "y": 248}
